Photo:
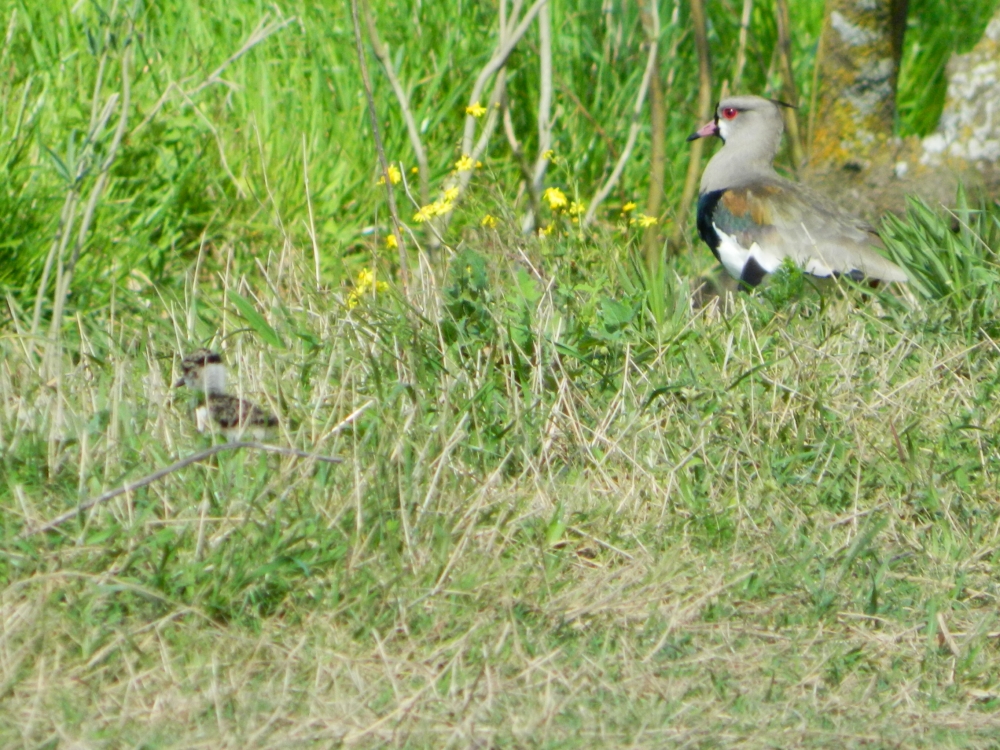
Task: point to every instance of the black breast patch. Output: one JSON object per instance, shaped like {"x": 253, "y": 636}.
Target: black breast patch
{"x": 706, "y": 208}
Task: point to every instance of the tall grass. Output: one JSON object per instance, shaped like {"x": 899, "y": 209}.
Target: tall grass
{"x": 221, "y": 163}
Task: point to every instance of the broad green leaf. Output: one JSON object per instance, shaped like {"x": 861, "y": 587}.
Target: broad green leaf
{"x": 255, "y": 320}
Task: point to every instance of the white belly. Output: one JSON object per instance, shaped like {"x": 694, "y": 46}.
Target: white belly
{"x": 734, "y": 256}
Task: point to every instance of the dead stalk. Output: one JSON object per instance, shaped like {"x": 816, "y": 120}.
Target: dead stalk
{"x": 544, "y": 112}
{"x": 704, "y": 112}
{"x": 658, "y": 141}
{"x": 788, "y": 88}
{"x": 383, "y": 163}
{"x": 507, "y": 42}
{"x": 633, "y": 132}
{"x": 741, "y": 49}
{"x": 412, "y": 130}
{"x": 176, "y": 466}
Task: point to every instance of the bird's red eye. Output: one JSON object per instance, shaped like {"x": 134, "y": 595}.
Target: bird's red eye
{"x": 730, "y": 112}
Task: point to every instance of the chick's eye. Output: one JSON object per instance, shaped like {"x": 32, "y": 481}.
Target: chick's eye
{"x": 729, "y": 113}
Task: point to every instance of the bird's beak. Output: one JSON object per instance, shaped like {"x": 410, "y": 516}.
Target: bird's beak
{"x": 709, "y": 128}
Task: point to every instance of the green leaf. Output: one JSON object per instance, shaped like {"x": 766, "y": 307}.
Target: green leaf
{"x": 616, "y": 315}
{"x": 556, "y": 528}
{"x": 255, "y": 320}
{"x": 528, "y": 288}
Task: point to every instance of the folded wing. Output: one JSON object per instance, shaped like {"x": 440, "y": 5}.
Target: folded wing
{"x": 776, "y": 220}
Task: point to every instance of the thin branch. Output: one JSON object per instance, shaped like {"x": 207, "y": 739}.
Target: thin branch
{"x": 382, "y": 54}
{"x": 62, "y": 285}
{"x": 788, "y": 84}
{"x": 67, "y": 219}
{"x": 657, "y": 138}
{"x": 704, "y": 112}
{"x": 814, "y": 92}
{"x": 741, "y": 48}
{"x": 633, "y": 133}
{"x": 544, "y": 111}
{"x": 176, "y": 466}
{"x": 508, "y": 40}
{"x": 383, "y": 163}
{"x": 498, "y": 60}
{"x": 522, "y": 161}
{"x": 56, "y": 249}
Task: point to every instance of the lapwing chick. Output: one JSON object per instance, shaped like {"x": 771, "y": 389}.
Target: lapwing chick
{"x": 752, "y": 218}
{"x": 234, "y": 417}
{"x": 203, "y": 370}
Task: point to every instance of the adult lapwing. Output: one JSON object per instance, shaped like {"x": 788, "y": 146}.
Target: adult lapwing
{"x": 753, "y": 218}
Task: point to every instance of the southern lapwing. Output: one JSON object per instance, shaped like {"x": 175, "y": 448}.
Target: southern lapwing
{"x": 203, "y": 371}
{"x": 752, "y": 218}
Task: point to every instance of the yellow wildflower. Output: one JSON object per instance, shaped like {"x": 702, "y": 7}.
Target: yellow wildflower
{"x": 476, "y": 110}
{"x": 365, "y": 284}
{"x": 415, "y": 170}
{"x": 577, "y": 207}
{"x": 546, "y": 231}
{"x": 394, "y": 175}
{"x": 644, "y": 221}
{"x": 555, "y": 197}
{"x": 549, "y": 154}
{"x": 437, "y": 208}
{"x": 630, "y": 206}
{"x": 390, "y": 241}
{"x": 488, "y": 221}
{"x": 465, "y": 164}
{"x": 425, "y": 212}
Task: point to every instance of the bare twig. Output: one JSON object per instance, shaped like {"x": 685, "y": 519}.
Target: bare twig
{"x": 741, "y": 48}
{"x": 66, "y": 277}
{"x": 633, "y": 133}
{"x": 814, "y": 92}
{"x": 382, "y": 54}
{"x": 499, "y": 59}
{"x": 704, "y": 112}
{"x": 507, "y": 42}
{"x": 544, "y": 111}
{"x": 788, "y": 83}
{"x": 65, "y": 228}
{"x": 176, "y": 466}
{"x": 657, "y": 138}
{"x": 383, "y": 163}
{"x": 522, "y": 161}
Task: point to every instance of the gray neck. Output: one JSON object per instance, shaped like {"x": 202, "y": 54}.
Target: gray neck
{"x": 737, "y": 164}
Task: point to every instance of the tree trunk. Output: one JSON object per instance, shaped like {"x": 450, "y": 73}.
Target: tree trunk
{"x": 858, "y": 65}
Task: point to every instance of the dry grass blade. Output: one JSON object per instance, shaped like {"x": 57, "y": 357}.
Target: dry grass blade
{"x": 166, "y": 471}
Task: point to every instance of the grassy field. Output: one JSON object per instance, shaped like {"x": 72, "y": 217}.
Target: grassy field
{"x": 573, "y": 510}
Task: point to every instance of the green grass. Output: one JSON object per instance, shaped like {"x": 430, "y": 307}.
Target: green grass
{"x": 572, "y": 512}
